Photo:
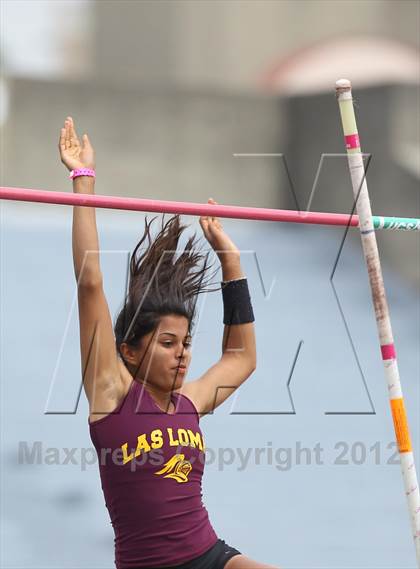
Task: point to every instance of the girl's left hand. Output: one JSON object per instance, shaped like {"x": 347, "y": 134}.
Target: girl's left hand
{"x": 213, "y": 231}
{"x": 75, "y": 153}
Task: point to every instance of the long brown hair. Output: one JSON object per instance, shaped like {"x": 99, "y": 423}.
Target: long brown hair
{"x": 160, "y": 284}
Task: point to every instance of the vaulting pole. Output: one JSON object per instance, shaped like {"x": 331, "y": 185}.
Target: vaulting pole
{"x": 227, "y": 211}
{"x": 383, "y": 321}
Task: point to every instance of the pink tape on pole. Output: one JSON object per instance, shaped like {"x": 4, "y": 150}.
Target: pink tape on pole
{"x": 352, "y": 141}
{"x": 388, "y": 352}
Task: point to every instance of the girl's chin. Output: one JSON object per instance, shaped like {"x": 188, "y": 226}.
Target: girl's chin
{"x": 179, "y": 381}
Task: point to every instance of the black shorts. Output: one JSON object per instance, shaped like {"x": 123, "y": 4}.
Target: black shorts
{"x": 214, "y": 558}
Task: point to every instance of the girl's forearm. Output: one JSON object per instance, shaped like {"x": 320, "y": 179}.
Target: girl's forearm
{"x": 85, "y": 236}
{"x": 238, "y": 339}
{"x": 231, "y": 267}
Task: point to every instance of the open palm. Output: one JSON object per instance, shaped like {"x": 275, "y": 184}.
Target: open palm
{"x": 75, "y": 154}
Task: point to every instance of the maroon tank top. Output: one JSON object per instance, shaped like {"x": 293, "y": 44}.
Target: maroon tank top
{"x": 151, "y": 464}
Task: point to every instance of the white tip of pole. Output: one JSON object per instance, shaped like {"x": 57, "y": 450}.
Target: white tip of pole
{"x": 343, "y": 84}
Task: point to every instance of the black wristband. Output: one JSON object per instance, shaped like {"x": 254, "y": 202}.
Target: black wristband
{"x": 237, "y": 305}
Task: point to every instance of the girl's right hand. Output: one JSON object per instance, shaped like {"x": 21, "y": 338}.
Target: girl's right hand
{"x": 73, "y": 153}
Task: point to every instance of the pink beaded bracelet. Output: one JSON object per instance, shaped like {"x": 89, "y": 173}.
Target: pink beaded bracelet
{"x": 82, "y": 172}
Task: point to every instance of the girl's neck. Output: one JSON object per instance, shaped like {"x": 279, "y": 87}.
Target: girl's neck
{"x": 162, "y": 398}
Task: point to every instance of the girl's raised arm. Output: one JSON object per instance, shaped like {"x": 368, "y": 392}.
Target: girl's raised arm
{"x": 239, "y": 355}
{"x": 101, "y": 368}
{"x": 75, "y": 155}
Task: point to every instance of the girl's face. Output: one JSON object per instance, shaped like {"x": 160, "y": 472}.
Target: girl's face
{"x": 164, "y": 355}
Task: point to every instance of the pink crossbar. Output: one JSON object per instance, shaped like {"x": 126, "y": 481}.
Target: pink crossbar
{"x": 162, "y": 206}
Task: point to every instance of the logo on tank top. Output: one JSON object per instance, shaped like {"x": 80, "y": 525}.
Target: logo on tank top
{"x": 156, "y": 439}
{"x": 176, "y": 468}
